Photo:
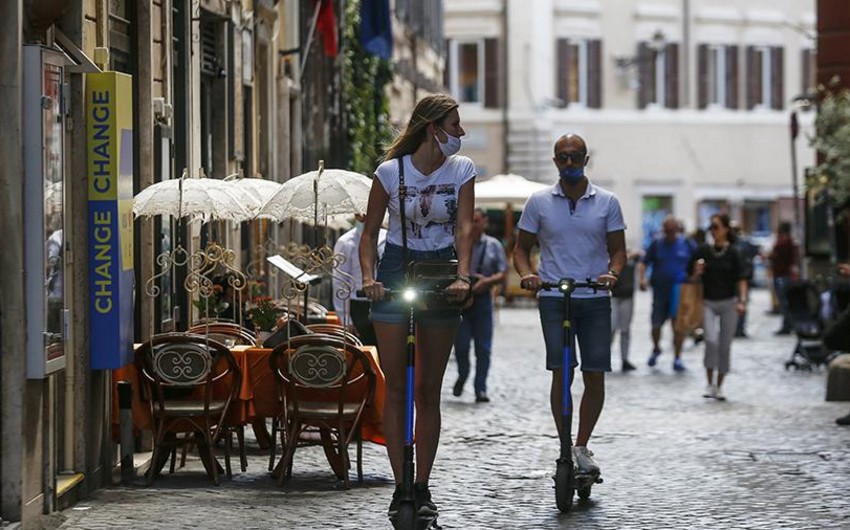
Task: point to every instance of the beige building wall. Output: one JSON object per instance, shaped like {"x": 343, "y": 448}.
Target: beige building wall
{"x": 695, "y": 156}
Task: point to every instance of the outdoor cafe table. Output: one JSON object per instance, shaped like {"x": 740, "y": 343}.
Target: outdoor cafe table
{"x": 257, "y": 396}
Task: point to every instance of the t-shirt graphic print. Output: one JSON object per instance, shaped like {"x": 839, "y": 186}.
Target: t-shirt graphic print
{"x": 430, "y": 209}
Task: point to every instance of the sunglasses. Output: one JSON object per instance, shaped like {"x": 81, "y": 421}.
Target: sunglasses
{"x": 577, "y": 157}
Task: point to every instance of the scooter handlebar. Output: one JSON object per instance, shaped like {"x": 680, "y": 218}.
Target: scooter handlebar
{"x": 570, "y": 285}
{"x": 394, "y": 293}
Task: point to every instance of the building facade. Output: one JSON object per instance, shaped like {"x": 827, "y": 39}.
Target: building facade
{"x": 213, "y": 88}
{"x": 685, "y": 104}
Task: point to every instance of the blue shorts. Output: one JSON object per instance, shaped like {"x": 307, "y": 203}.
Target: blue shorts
{"x": 662, "y": 305}
{"x": 591, "y": 320}
{"x": 391, "y": 274}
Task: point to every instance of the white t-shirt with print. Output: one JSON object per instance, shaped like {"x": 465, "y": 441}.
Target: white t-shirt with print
{"x": 430, "y": 204}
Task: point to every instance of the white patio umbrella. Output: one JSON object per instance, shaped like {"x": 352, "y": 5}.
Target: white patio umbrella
{"x": 260, "y": 191}
{"x": 499, "y": 190}
{"x": 308, "y": 198}
{"x": 190, "y": 197}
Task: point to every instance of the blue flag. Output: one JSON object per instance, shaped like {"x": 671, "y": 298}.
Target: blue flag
{"x": 376, "y": 34}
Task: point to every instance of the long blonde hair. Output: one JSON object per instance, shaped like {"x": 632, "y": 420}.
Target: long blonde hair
{"x": 430, "y": 109}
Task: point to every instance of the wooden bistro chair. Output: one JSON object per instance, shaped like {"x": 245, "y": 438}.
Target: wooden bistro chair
{"x": 226, "y": 332}
{"x": 335, "y": 330}
{"x": 222, "y": 331}
{"x": 324, "y": 384}
{"x": 178, "y": 372}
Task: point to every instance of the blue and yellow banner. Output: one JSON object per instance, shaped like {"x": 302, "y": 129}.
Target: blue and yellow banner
{"x": 109, "y": 134}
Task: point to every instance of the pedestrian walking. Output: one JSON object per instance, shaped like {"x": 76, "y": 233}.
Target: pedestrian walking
{"x": 488, "y": 267}
{"x": 836, "y": 336}
{"x": 581, "y": 234}
{"x": 747, "y": 251}
{"x": 438, "y": 197}
{"x": 348, "y": 279}
{"x": 718, "y": 266}
{"x": 668, "y": 256}
{"x": 622, "y": 307}
{"x": 783, "y": 262}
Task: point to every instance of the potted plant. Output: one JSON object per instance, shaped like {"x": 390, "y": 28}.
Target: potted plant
{"x": 829, "y": 182}
{"x": 263, "y": 314}
{"x": 213, "y": 305}
{"x": 832, "y": 142}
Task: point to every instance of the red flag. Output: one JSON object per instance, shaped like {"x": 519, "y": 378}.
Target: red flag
{"x": 326, "y": 24}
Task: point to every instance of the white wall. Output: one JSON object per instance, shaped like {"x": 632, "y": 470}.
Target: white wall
{"x": 691, "y": 154}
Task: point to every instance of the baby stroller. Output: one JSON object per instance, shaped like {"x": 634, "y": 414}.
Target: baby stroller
{"x": 804, "y": 311}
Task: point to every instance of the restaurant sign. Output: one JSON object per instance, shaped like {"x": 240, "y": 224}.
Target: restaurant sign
{"x": 109, "y": 150}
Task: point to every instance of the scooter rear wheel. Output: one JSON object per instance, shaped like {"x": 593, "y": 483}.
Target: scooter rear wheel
{"x": 564, "y": 485}
{"x": 584, "y": 493}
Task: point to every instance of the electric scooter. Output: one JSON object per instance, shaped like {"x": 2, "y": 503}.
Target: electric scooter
{"x": 407, "y": 518}
{"x": 568, "y": 478}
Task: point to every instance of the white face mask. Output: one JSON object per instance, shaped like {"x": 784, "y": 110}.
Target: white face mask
{"x": 451, "y": 146}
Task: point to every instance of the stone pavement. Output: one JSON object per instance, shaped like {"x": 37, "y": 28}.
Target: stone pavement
{"x": 770, "y": 457}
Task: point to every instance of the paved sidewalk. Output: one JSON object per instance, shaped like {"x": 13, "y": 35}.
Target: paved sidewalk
{"x": 770, "y": 457}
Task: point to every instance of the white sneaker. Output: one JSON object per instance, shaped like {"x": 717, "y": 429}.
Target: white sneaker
{"x": 718, "y": 394}
{"x": 584, "y": 460}
{"x": 710, "y": 391}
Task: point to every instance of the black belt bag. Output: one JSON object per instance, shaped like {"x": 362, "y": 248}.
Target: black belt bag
{"x": 431, "y": 275}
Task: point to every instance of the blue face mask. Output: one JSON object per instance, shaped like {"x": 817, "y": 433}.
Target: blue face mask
{"x": 572, "y": 175}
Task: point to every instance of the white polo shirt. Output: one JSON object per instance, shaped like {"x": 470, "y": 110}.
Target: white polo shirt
{"x": 572, "y": 238}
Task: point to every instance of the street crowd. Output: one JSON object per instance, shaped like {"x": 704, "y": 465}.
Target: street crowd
{"x": 700, "y": 283}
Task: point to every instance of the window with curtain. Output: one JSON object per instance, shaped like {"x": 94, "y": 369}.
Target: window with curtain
{"x": 764, "y": 77}
{"x": 807, "y": 71}
{"x": 717, "y": 71}
{"x": 468, "y": 78}
{"x": 473, "y": 72}
{"x": 658, "y": 75}
{"x": 579, "y": 72}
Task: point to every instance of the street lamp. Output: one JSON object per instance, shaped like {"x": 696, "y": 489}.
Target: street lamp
{"x": 801, "y": 102}
{"x": 627, "y": 64}
{"x": 795, "y": 131}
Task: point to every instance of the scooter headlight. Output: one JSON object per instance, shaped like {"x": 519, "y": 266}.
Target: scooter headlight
{"x": 409, "y": 295}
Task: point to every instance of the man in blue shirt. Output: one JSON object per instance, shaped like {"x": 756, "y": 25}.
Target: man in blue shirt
{"x": 668, "y": 256}
{"x": 487, "y": 269}
{"x": 580, "y": 230}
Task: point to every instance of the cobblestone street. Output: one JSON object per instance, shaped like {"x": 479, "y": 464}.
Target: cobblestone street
{"x": 770, "y": 457}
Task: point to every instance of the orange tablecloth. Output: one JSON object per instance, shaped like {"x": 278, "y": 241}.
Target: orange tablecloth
{"x": 257, "y": 397}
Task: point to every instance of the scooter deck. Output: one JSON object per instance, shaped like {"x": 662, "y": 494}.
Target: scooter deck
{"x": 583, "y": 480}
{"x": 422, "y": 523}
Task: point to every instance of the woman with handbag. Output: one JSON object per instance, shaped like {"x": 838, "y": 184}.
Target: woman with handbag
{"x": 436, "y": 188}
{"x": 718, "y": 266}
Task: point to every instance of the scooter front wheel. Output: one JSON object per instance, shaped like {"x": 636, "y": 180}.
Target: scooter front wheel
{"x": 564, "y": 485}
{"x": 405, "y": 519}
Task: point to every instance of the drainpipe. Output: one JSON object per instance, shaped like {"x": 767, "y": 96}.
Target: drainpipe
{"x": 12, "y": 301}
{"x": 686, "y": 53}
{"x": 505, "y": 86}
